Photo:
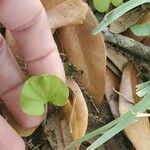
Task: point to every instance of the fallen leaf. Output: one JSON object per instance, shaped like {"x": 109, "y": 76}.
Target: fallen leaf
{"x": 112, "y": 82}
{"x": 113, "y": 67}
{"x": 87, "y": 53}
{"x": 145, "y": 18}
{"x": 49, "y": 4}
{"x": 57, "y": 130}
{"x": 138, "y": 132}
{"x": 126, "y": 21}
{"x": 116, "y": 57}
{"x": 75, "y": 111}
{"x": 70, "y": 12}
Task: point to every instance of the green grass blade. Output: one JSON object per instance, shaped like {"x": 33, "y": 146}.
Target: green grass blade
{"x": 143, "y": 85}
{"x": 143, "y": 91}
{"x": 112, "y": 132}
{"x": 118, "y": 12}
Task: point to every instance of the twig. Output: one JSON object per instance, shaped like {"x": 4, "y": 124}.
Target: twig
{"x": 127, "y": 99}
{"x": 128, "y": 44}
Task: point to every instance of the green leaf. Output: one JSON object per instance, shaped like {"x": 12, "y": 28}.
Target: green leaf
{"x": 101, "y": 5}
{"x": 40, "y": 90}
{"x": 141, "y": 29}
{"x": 32, "y": 107}
{"x": 116, "y": 2}
{"x": 118, "y": 12}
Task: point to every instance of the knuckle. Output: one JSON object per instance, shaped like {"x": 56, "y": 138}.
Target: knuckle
{"x": 29, "y": 23}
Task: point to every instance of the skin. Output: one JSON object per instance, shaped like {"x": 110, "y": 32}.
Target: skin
{"x": 28, "y": 23}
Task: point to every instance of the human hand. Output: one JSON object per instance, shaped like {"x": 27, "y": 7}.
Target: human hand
{"x": 27, "y": 21}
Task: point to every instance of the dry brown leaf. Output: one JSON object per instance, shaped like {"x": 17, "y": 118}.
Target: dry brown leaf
{"x": 49, "y": 4}
{"x": 70, "y": 12}
{"x": 65, "y": 12}
{"x": 76, "y": 113}
{"x": 145, "y": 18}
{"x": 87, "y": 53}
{"x": 138, "y": 132}
{"x": 112, "y": 82}
{"x": 126, "y": 21}
{"x": 116, "y": 57}
{"x": 57, "y": 130}
{"x": 113, "y": 67}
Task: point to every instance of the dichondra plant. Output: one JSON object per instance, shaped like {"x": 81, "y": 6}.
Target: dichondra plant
{"x": 40, "y": 90}
{"x": 103, "y": 5}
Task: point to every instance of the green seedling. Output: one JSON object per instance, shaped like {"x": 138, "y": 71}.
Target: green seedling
{"x": 103, "y": 5}
{"x": 40, "y": 90}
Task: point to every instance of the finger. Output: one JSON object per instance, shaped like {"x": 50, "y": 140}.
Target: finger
{"x": 29, "y": 25}
{"x": 9, "y": 139}
{"x": 11, "y": 79}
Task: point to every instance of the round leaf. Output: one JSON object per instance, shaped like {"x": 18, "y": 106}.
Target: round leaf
{"x": 39, "y": 90}
{"x": 101, "y": 5}
{"x": 141, "y": 29}
{"x": 116, "y": 2}
{"x": 32, "y": 107}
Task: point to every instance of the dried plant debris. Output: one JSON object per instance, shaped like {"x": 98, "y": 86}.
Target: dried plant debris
{"x": 76, "y": 112}
{"x": 112, "y": 82}
{"x": 57, "y": 130}
{"x": 117, "y": 58}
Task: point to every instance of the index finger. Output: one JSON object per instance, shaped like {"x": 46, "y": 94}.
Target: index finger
{"x": 28, "y": 23}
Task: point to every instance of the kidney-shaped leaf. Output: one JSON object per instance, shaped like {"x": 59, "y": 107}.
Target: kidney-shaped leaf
{"x": 39, "y": 90}
{"x": 101, "y": 5}
{"x": 141, "y": 29}
{"x": 32, "y": 107}
{"x": 116, "y": 2}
